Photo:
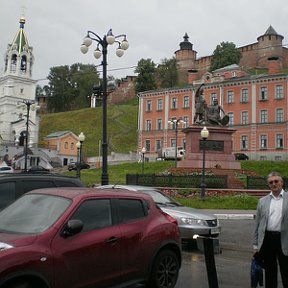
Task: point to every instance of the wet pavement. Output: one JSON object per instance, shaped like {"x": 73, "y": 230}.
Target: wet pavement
{"x": 232, "y": 258}
{"x": 232, "y": 262}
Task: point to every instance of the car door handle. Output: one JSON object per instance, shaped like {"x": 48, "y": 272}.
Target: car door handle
{"x": 112, "y": 240}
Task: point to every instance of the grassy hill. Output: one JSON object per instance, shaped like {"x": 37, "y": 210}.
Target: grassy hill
{"x": 121, "y": 127}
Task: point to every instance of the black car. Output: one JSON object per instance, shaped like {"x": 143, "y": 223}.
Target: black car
{"x": 14, "y": 185}
{"x": 241, "y": 156}
{"x": 73, "y": 166}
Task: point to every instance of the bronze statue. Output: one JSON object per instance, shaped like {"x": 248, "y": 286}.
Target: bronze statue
{"x": 205, "y": 114}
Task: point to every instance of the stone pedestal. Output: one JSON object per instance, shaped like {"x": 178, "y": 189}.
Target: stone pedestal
{"x": 218, "y": 148}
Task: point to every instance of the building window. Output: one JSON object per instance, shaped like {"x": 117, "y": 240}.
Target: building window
{"x": 72, "y": 146}
{"x": 230, "y": 97}
{"x": 160, "y": 105}
{"x": 279, "y": 92}
{"x": 149, "y": 106}
{"x": 147, "y": 145}
{"x": 244, "y": 95}
{"x": 279, "y": 141}
{"x": 158, "y": 145}
{"x": 263, "y": 93}
{"x": 231, "y": 118}
{"x": 174, "y": 103}
{"x": 148, "y": 125}
{"x": 159, "y": 124}
{"x": 263, "y": 116}
{"x": 263, "y": 158}
{"x": 212, "y": 97}
{"x": 186, "y": 121}
{"x": 186, "y": 102}
{"x": 278, "y": 158}
{"x": 65, "y": 145}
{"x": 279, "y": 115}
{"x": 263, "y": 141}
{"x": 244, "y": 118}
{"x": 244, "y": 142}
{"x": 173, "y": 142}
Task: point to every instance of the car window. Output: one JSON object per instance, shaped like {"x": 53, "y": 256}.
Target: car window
{"x": 5, "y": 168}
{"x": 130, "y": 209}
{"x": 94, "y": 214}
{"x": 160, "y": 198}
{"x": 7, "y": 193}
{"x": 32, "y": 213}
{"x": 29, "y": 185}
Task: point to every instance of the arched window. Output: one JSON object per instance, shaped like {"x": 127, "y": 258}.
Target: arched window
{"x": 23, "y": 66}
{"x": 13, "y": 62}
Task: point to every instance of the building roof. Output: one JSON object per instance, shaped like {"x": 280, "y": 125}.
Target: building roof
{"x": 58, "y": 134}
{"x": 271, "y": 31}
{"x": 186, "y": 45}
{"x": 229, "y": 67}
{"x": 20, "y": 42}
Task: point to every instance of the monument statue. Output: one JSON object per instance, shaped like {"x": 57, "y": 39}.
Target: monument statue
{"x": 205, "y": 114}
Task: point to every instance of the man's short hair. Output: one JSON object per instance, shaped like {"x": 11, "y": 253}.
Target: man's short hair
{"x": 274, "y": 173}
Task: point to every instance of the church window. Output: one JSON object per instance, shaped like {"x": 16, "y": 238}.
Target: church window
{"x": 23, "y": 63}
{"x": 13, "y": 62}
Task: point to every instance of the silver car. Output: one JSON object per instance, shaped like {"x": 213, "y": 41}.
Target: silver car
{"x": 191, "y": 221}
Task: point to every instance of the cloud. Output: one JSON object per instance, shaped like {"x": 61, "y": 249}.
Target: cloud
{"x": 154, "y": 28}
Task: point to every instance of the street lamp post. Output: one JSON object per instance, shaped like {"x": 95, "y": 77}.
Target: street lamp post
{"x": 79, "y": 145}
{"x": 143, "y": 151}
{"x": 28, "y": 105}
{"x": 108, "y": 39}
{"x": 204, "y": 136}
{"x": 175, "y": 122}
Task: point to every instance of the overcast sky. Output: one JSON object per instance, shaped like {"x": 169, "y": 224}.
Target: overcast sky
{"x": 154, "y": 28}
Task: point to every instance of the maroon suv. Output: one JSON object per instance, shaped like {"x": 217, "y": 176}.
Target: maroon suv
{"x": 81, "y": 237}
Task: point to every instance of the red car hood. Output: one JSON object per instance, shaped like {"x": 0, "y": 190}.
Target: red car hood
{"x": 17, "y": 239}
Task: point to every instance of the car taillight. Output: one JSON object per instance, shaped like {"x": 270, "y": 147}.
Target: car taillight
{"x": 170, "y": 218}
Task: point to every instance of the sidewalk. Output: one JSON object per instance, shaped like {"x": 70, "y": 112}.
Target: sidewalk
{"x": 225, "y": 214}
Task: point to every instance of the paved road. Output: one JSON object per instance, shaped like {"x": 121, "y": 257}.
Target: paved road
{"x": 232, "y": 263}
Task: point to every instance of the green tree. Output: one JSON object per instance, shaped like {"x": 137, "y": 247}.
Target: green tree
{"x": 167, "y": 74}
{"x": 146, "y": 70}
{"x": 225, "y": 54}
{"x": 69, "y": 88}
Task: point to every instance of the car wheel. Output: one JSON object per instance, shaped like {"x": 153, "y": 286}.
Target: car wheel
{"x": 165, "y": 270}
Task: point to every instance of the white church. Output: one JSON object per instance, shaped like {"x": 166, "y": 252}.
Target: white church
{"x": 18, "y": 106}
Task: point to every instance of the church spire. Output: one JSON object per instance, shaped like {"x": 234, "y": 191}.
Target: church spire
{"x": 19, "y": 57}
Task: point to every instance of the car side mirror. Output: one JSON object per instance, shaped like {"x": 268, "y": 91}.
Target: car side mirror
{"x": 72, "y": 227}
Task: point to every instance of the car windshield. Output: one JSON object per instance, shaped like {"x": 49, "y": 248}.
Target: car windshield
{"x": 33, "y": 213}
{"x": 161, "y": 199}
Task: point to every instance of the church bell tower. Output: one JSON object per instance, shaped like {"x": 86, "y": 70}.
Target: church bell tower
{"x": 17, "y": 87}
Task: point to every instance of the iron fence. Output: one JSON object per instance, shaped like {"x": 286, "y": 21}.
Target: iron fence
{"x": 181, "y": 181}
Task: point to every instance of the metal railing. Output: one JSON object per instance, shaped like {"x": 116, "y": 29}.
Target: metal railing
{"x": 182, "y": 181}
